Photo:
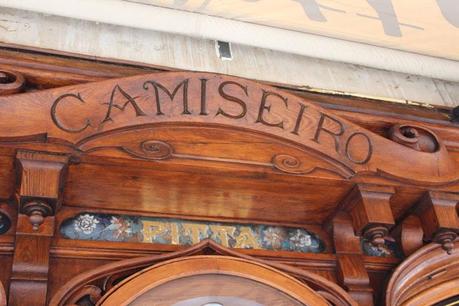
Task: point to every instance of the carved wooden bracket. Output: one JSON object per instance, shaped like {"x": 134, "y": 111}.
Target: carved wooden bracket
{"x": 439, "y": 219}
{"x": 41, "y": 177}
{"x": 369, "y": 207}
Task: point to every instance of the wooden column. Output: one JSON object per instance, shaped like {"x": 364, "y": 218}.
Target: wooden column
{"x": 439, "y": 219}
{"x": 350, "y": 266}
{"x": 39, "y": 195}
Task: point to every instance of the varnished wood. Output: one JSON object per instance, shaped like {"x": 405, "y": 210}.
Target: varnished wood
{"x": 77, "y": 285}
{"x": 245, "y": 152}
{"x": 350, "y": 269}
{"x": 39, "y": 195}
{"x": 133, "y": 287}
{"x": 349, "y": 149}
{"x": 369, "y": 207}
{"x": 410, "y": 234}
{"x": 2, "y": 295}
{"x": 427, "y": 277}
{"x": 439, "y": 218}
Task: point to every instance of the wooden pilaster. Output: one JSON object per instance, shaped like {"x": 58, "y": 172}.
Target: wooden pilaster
{"x": 350, "y": 266}
{"x": 39, "y": 192}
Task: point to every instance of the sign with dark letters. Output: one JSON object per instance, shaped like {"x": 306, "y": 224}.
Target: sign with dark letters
{"x": 406, "y": 25}
{"x": 78, "y": 115}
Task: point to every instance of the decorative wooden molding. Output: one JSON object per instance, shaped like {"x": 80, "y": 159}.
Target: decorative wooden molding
{"x": 105, "y": 277}
{"x": 438, "y": 214}
{"x": 39, "y": 195}
{"x": 351, "y": 271}
{"x": 427, "y": 277}
{"x": 79, "y": 114}
{"x": 369, "y": 207}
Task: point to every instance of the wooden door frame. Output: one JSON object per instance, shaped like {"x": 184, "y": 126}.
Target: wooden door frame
{"x": 149, "y": 278}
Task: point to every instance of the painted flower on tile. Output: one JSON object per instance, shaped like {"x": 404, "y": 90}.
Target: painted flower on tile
{"x": 301, "y": 239}
{"x": 273, "y": 237}
{"x": 86, "y": 224}
{"x": 381, "y": 251}
{"x": 120, "y": 226}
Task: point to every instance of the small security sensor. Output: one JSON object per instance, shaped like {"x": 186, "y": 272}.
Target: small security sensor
{"x": 455, "y": 114}
{"x": 223, "y": 50}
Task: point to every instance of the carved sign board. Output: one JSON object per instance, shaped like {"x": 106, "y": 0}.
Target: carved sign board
{"x": 120, "y": 228}
{"x": 78, "y": 115}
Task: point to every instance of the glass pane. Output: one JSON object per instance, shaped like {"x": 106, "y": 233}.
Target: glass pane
{"x": 214, "y": 290}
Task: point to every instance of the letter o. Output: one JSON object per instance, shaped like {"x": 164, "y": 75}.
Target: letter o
{"x": 369, "y": 148}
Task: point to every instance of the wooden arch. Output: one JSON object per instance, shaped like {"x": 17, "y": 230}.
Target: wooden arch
{"x": 127, "y": 115}
{"x": 427, "y": 277}
{"x": 93, "y": 285}
{"x": 135, "y": 286}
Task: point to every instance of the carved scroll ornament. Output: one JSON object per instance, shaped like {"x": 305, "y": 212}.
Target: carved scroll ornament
{"x": 11, "y": 82}
{"x": 80, "y": 114}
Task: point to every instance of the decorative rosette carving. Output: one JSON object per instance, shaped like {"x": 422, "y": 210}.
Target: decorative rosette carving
{"x": 11, "y": 82}
{"x": 290, "y": 164}
{"x": 152, "y": 150}
{"x": 415, "y": 137}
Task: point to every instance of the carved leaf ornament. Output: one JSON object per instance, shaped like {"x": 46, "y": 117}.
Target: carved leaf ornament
{"x": 94, "y": 116}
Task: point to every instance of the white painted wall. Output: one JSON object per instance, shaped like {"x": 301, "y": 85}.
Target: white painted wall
{"x": 192, "y": 53}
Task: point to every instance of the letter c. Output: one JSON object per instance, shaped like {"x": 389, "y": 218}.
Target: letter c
{"x": 56, "y": 120}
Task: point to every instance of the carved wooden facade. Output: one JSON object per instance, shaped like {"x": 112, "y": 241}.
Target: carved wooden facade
{"x": 115, "y": 178}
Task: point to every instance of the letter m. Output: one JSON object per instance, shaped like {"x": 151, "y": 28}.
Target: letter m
{"x": 157, "y": 86}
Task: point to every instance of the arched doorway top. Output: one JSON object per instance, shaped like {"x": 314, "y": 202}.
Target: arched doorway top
{"x": 125, "y": 114}
{"x": 94, "y": 284}
{"x": 138, "y": 285}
